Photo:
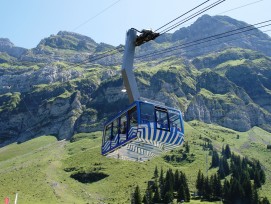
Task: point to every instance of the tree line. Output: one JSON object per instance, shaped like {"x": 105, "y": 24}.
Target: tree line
{"x": 164, "y": 189}
{"x": 242, "y": 179}
{"x": 237, "y": 180}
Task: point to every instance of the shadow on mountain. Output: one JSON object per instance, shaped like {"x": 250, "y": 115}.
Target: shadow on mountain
{"x": 91, "y": 177}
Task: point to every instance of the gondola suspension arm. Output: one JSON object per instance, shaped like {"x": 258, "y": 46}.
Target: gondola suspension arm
{"x": 132, "y": 40}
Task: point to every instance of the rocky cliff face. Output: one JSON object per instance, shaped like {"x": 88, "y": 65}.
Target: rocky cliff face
{"x": 9, "y": 48}
{"x": 56, "y": 117}
{"x": 25, "y": 80}
{"x": 50, "y": 90}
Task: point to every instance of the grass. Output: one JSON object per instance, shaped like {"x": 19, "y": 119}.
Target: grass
{"x": 24, "y": 168}
{"x": 231, "y": 63}
{"x": 40, "y": 169}
{"x": 11, "y": 100}
{"x": 227, "y": 98}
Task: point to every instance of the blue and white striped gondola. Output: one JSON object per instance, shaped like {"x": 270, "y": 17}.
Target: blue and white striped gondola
{"x": 142, "y": 131}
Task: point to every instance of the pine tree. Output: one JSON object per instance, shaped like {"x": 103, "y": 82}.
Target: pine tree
{"x": 225, "y": 166}
{"x": 244, "y": 175}
{"x": 169, "y": 182}
{"x": 262, "y": 176}
{"x": 255, "y": 197}
{"x": 210, "y": 146}
{"x": 168, "y": 197}
{"x": 237, "y": 191}
{"x": 148, "y": 196}
{"x": 187, "y": 193}
{"x": 257, "y": 180}
{"x": 137, "y": 196}
{"x": 215, "y": 160}
{"x": 162, "y": 184}
{"x": 221, "y": 171}
{"x": 223, "y": 151}
{"x": 207, "y": 190}
{"x": 227, "y": 192}
{"x": 199, "y": 183}
{"x": 227, "y": 151}
{"x": 244, "y": 163}
{"x": 176, "y": 180}
{"x": 155, "y": 174}
{"x": 258, "y": 165}
{"x": 145, "y": 201}
{"x": 216, "y": 187}
{"x": 181, "y": 193}
{"x": 248, "y": 191}
{"x": 156, "y": 197}
{"x": 187, "y": 147}
{"x": 184, "y": 186}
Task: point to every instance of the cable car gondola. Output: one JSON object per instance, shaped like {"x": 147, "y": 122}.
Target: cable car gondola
{"x": 146, "y": 128}
{"x": 142, "y": 131}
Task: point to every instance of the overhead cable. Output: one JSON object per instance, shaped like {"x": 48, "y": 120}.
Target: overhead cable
{"x": 102, "y": 11}
{"x": 191, "y": 16}
{"x": 217, "y": 43}
{"x": 108, "y": 53}
{"x": 240, "y": 7}
{"x": 181, "y": 15}
{"x": 206, "y": 39}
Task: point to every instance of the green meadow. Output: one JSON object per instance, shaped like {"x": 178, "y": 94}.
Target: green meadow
{"x": 41, "y": 170}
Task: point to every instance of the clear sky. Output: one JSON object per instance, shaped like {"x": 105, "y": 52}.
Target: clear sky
{"x": 26, "y": 22}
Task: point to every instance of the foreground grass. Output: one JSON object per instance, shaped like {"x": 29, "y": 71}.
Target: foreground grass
{"x": 40, "y": 169}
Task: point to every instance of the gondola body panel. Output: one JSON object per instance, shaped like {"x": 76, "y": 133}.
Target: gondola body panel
{"x": 142, "y": 131}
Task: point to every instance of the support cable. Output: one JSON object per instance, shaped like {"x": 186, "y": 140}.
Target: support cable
{"x": 213, "y": 44}
{"x": 102, "y": 11}
{"x": 191, "y": 16}
{"x": 207, "y": 39}
{"x": 118, "y": 50}
{"x": 181, "y": 16}
{"x": 255, "y": 2}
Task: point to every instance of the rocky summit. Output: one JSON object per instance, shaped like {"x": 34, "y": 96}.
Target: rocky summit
{"x": 67, "y": 84}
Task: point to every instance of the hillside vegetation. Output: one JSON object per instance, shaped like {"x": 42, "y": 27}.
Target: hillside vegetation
{"x": 55, "y": 97}
{"x": 41, "y": 170}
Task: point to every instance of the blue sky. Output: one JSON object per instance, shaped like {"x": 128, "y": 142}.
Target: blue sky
{"x": 26, "y": 22}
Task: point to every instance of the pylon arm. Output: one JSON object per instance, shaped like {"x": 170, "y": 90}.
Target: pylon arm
{"x": 127, "y": 67}
{"x": 132, "y": 40}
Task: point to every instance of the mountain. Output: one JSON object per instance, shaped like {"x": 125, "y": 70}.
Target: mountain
{"x": 207, "y": 25}
{"x": 222, "y": 27}
{"x": 63, "y": 86}
{"x": 236, "y": 81}
{"x": 55, "y": 97}
{"x": 69, "y": 40}
{"x": 8, "y": 47}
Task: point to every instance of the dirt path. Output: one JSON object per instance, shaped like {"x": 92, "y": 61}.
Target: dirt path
{"x": 54, "y": 173}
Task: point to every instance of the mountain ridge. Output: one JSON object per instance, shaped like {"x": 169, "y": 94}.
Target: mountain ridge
{"x": 49, "y": 90}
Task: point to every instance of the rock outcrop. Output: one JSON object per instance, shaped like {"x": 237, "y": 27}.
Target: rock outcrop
{"x": 56, "y": 117}
{"x": 9, "y": 48}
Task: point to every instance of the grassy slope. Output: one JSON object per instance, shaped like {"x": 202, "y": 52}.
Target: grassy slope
{"x": 35, "y": 168}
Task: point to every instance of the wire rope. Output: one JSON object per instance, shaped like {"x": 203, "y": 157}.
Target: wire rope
{"x": 206, "y": 39}
{"x": 181, "y": 15}
{"x": 191, "y": 16}
{"x": 93, "y": 17}
{"x": 210, "y": 45}
{"x": 240, "y": 7}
